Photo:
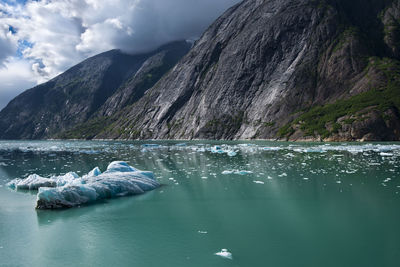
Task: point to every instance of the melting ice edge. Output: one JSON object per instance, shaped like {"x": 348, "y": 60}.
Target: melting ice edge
{"x": 70, "y": 190}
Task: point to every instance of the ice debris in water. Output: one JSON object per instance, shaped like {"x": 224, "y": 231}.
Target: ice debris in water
{"x": 223, "y": 150}
{"x": 238, "y": 172}
{"x": 70, "y": 190}
{"x": 151, "y": 145}
{"x": 224, "y": 253}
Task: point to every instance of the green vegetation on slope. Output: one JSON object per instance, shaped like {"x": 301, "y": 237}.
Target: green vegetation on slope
{"x": 86, "y": 130}
{"x": 315, "y": 120}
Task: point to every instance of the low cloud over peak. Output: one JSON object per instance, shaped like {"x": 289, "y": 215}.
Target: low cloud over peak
{"x": 50, "y": 36}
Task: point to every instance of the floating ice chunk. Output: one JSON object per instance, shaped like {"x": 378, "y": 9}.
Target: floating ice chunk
{"x": 258, "y": 182}
{"x": 217, "y": 149}
{"x": 223, "y": 150}
{"x": 224, "y": 253}
{"x": 243, "y": 172}
{"x": 202, "y": 232}
{"x": 238, "y": 172}
{"x": 231, "y": 153}
{"x": 34, "y": 181}
{"x": 70, "y": 190}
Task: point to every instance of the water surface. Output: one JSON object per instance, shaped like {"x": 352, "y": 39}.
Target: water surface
{"x": 293, "y": 205}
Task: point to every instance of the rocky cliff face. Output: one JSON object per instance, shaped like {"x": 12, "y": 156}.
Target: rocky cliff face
{"x": 270, "y": 69}
{"x": 287, "y": 69}
{"x": 99, "y": 85}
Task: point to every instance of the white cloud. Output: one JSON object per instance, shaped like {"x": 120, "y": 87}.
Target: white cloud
{"x": 22, "y": 78}
{"x": 55, "y": 35}
{"x": 8, "y": 44}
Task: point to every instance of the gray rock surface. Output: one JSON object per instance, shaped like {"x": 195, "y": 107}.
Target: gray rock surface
{"x": 258, "y": 65}
{"x": 92, "y": 88}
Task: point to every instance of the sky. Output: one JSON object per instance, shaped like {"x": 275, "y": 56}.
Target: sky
{"x": 39, "y": 39}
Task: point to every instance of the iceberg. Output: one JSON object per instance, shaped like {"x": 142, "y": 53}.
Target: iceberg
{"x": 70, "y": 190}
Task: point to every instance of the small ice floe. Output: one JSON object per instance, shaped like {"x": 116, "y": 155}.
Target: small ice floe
{"x": 202, "y": 232}
{"x": 338, "y": 182}
{"x": 306, "y": 178}
{"x": 217, "y": 150}
{"x": 387, "y": 180}
{"x": 223, "y": 150}
{"x": 224, "y": 253}
{"x": 231, "y": 153}
{"x": 385, "y": 154}
{"x": 237, "y": 172}
{"x": 258, "y": 182}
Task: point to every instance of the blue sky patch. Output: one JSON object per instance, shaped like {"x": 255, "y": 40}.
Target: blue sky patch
{"x": 22, "y": 45}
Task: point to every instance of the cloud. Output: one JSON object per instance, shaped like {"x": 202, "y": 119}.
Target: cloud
{"x": 22, "y": 78}
{"x": 8, "y": 44}
{"x": 52, "y": 36}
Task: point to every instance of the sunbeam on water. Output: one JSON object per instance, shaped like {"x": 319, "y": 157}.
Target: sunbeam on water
{"x": 265, "y": 203}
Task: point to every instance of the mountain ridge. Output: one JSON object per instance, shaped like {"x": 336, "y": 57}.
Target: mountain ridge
{"x": 79, "y": 93}
{"x": 287, "y": 70}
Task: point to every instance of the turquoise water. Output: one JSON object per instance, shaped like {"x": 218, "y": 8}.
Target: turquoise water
{"x": 297, "y": 205}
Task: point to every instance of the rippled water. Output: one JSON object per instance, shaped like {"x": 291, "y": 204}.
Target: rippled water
{"x": 267, "y": 203}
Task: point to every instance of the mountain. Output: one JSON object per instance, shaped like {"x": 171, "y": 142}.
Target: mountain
{"x": 270, "y": 69}
{"x": 286, "y": 69}
{"x": 99, "y": 85}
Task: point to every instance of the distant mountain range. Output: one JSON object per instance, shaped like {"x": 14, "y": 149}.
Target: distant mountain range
{"x": 266, "y": 69}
